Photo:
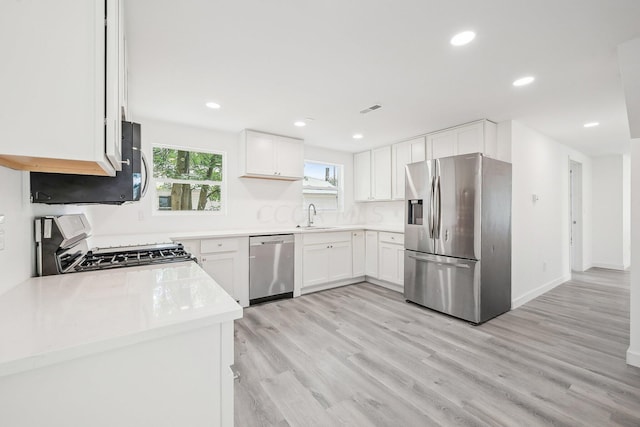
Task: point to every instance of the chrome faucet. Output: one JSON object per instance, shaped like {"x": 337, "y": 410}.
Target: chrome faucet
{"x": 309, "y": 220}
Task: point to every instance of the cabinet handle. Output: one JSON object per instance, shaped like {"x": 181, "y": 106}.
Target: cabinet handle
{"x": 219, "y": 244}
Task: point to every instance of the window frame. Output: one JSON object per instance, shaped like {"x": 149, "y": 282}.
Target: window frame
{"x": 223, "y": 184}
{"x": 340, "y": 201}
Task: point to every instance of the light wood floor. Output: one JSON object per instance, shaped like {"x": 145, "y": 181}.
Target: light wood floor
{"x": 361, "y": 356}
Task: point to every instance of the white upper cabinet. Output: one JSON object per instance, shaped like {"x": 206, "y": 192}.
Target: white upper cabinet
{"x": 402, "y": 154}
{"x": 372, "y": 175}
{"x": 475, "y": 137}
{"x": 381, "y": 173}
{"x": 263, "y": 155}
{"x": 60, "y": 83}
{"x": 362, "y": 176}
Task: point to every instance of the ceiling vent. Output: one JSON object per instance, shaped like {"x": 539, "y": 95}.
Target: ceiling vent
{"x": 370, "y": 109}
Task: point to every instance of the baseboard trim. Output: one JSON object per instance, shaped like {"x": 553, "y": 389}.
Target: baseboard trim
{"x": 385, "y": 284}
{"x": 331, "y": 285}
{"x": 609, "y": 266}
{"x": 517, "y": 302}
{"x": 633, "y": 358}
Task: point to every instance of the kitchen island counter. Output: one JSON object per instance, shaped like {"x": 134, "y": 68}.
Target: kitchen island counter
{"x": 92, "y": 342}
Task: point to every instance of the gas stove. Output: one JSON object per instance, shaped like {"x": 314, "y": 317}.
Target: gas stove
{"x": 131, "y": 256}
{"x": 61, "y": 244}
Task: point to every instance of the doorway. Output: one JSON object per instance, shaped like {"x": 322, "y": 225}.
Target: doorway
{"x": 575, "y": 215}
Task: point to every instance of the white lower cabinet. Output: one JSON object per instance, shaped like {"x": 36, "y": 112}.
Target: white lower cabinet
{"x": 391, "y": 257}
{"x": 327, "y": 257}
{"x": 226, "y": 260}
{"x": 358, "y": 251}
{"x": 371, "y": 250}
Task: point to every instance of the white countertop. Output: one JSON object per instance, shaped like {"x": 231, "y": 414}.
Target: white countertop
{"x": 46, "y": 320}
{"x": 177, "y": 236}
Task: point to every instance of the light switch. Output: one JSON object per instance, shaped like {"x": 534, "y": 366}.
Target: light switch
{"x": 1, "y": 218}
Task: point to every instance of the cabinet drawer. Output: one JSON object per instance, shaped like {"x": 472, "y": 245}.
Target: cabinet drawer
{"x": 331, "y": 237}
{"x": 397, "y": 238}
{"x": 218, "y": 245}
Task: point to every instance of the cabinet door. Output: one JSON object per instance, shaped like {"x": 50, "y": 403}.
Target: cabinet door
{"x": 400, "y": 156}
{"x": 470, "y": 139}
{"x": 362, "y": 176}
{"x": 340, "y": 257}
{"x": 358, "y": 253}
{"x": 315, "y": 264}
{"x": 371, "y": 251}
{"x": 222, "y": 268}
{"x": 260, "y": 153}
{"x": 400, "y": 260}
{"x": 290, "y": 157}
{"x": 381, "y": 173}
{"x": 418, "y": 150}
{"x": 388, "y": 260}
{"x": 53, "y": 86}
{"x": 115, "y": 81}
{"x": 443, "y": 144}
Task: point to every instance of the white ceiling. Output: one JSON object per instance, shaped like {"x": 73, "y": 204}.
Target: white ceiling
{"x": 272, "y": 62}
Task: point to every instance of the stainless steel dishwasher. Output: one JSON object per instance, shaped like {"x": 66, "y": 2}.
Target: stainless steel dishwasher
{"x": 270, "y": 267}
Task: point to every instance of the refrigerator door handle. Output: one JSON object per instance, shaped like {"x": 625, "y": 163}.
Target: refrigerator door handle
{"x": 438, "y": 220}
{"x": 457, "y": 263}
{"x": 431, "y": 207}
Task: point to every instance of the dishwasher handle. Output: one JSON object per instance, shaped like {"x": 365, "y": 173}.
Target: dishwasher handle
{"x": 271, "y": 240}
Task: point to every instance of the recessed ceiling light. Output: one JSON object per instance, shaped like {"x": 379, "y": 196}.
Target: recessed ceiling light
{"x": 591, "y": 124}
{"x": 523, "y": 81}
{"x": 300, "y": 124}
{"x": 357, "y": 136}
{"x": 213, "y": 105}
{"x": 463, "y": 38}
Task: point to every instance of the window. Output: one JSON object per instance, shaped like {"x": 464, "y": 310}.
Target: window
{"x": 188, "y": 180}
{"x": 322, "y": 186}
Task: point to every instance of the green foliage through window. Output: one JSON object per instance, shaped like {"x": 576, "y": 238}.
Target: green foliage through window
{"x": 187, "y": 180}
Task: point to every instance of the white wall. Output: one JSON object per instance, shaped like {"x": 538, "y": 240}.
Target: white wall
{"x": 16, "y": 258}
{"x": 633, "y": 353}
{"x": 626, "y": 210}
{"x": 540, "y": 230}
{"x": 251, "y": 203}
{"x": 629, "y": 62}
{"x": 610, "y": 212}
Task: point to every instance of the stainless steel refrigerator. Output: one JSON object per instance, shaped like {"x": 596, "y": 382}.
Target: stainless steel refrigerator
{"x": 458, "y": 236}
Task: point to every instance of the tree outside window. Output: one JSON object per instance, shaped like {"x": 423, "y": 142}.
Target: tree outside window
{"x": 188, "y": 180}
